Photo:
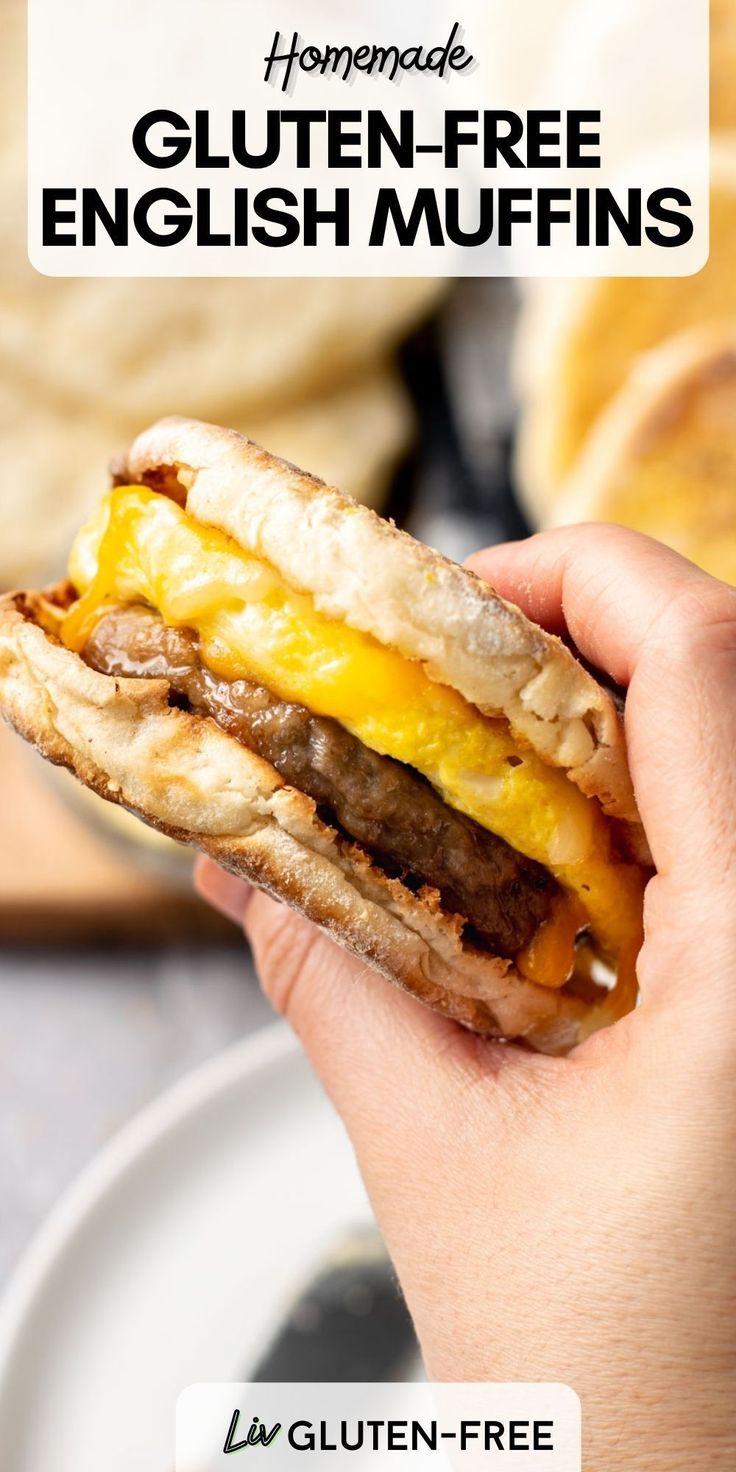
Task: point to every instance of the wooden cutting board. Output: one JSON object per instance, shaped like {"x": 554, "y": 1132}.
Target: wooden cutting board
{"x": 63, "y": 877}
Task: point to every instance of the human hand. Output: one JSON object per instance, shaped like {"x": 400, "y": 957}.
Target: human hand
{"x": 571, "y": 1219}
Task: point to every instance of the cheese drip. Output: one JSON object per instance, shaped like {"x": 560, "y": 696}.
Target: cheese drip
{"x": 141, "y": 546}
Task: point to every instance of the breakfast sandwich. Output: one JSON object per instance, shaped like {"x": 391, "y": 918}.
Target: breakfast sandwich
{"x": 261, "y": 667}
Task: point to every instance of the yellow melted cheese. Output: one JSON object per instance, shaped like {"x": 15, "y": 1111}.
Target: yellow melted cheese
{"x": 141, "y": 546}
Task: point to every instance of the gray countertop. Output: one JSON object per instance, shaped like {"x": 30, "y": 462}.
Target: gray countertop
{"x": 87, "y": 1037}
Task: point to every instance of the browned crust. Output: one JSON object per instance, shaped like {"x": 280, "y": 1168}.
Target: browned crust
{"x": 121, "y": 738}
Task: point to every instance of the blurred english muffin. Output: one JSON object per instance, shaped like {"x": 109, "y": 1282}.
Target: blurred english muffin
{"x": 662, "y": 457}
{"x": 722, "y": 64}
{"x": 579, "y": 338}
{"x": 218, "y": 349}
{"x": 214, "y": 348}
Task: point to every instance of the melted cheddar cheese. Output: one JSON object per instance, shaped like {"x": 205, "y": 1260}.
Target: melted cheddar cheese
{"x": 143, "y": 547}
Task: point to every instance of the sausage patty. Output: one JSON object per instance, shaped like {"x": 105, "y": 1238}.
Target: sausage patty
{"x": 385, "y": 806}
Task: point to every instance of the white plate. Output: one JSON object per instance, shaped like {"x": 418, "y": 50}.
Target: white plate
{"x": 171, "y": 1260}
